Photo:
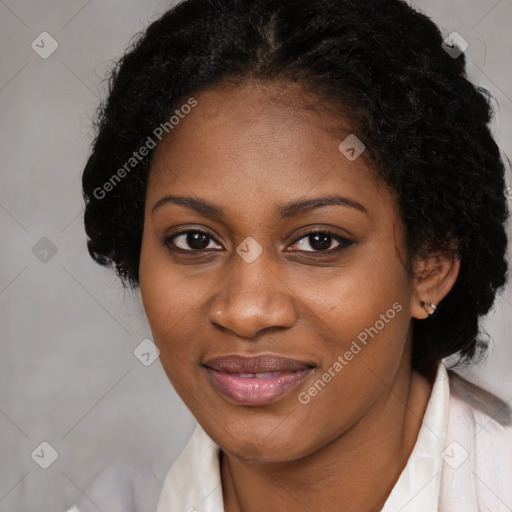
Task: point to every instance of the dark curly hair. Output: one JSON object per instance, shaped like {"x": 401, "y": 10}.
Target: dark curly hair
{"x": 382, "y": 63}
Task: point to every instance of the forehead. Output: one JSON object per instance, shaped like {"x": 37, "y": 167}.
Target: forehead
{"x": 261, "y": 110}
{"x": 260, "y": 141}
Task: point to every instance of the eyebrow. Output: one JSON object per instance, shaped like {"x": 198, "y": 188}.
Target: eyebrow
{"x": 286, "y": 210}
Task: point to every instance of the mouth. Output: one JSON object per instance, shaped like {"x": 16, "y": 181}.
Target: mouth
{"x": 256, "y": 380}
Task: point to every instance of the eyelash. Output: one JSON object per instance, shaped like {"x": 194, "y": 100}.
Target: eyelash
{"x": 344, "y": 242}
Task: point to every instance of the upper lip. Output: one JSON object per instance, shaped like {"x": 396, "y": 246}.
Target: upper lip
{"x": 255, "y": 364}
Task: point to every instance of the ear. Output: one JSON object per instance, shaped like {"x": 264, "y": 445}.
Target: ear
{"x": 435, "y": 276}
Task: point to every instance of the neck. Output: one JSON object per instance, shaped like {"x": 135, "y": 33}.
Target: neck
{"x": 358, "y": 469}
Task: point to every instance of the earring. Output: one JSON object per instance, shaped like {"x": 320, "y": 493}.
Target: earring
{"x": 432, "y": 307}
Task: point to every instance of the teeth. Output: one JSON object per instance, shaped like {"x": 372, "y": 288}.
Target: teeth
{"x": 257, "y": 375}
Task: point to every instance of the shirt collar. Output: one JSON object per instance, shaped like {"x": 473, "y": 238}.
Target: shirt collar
{"x": 417, "y": 488}
{"x": 193, "y": 484}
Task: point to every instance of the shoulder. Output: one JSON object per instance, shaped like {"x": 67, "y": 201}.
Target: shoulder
{"x": 491, "y": 414}
{"x": 481, "y": 423}
{"x": 126, "y": 484}
{"x": 479, "y": 399}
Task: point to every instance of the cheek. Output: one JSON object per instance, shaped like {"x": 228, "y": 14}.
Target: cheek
{"x": 363, "y": 329}
{"x": 169, "y": 299}
{"x": 352, "y": 297}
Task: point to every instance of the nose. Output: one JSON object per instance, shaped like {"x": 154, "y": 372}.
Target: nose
{"x": 253, "y": 298}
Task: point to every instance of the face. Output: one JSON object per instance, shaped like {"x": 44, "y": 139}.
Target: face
{"x": 280, "y": 316}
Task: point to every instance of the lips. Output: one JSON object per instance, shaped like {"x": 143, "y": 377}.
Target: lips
{"x": 255, "y": 364}
{"x": 256, "y": 380}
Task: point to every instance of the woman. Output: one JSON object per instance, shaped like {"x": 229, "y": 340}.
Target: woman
{"x": 311, "y": 201}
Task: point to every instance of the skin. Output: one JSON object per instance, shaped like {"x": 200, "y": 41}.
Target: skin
{"x": 249, "y": 149}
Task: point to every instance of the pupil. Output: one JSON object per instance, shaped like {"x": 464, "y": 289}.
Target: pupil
{"x": 197, "y": 241}
{"x": 320, "y": 241}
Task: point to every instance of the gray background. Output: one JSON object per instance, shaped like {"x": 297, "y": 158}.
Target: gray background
{"x": 68, "y": 374}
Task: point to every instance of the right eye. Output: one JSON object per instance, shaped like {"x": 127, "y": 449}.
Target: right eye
{"x": 189, "y": 241}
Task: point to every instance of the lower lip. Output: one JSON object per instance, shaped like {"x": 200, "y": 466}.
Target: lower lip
{"x": 256, "y": 390}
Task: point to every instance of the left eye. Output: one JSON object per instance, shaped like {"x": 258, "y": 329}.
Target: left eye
{"x": 320, "y": 241}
